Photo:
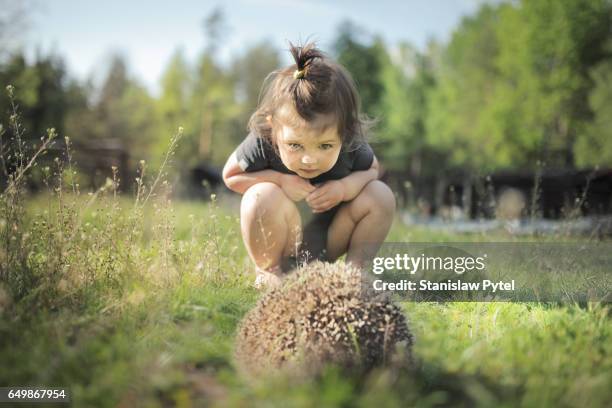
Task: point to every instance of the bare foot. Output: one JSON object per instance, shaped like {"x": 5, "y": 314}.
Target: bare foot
{"x": 268, "y": 279}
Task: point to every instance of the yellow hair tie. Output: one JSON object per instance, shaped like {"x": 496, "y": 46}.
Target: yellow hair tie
{"x": 298, "y": 74}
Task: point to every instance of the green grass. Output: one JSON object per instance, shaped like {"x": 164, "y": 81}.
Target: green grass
{"x": 130, "y": 307}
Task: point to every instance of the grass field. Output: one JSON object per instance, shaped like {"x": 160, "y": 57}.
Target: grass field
{"x": 136, "y": 303}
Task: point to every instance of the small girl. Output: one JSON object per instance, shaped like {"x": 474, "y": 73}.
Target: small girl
{"x": 308, "y": 177}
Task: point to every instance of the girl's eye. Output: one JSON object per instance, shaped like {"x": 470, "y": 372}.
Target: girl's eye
{"x": 295, "y": 146}
{"x": 326, "y": 146}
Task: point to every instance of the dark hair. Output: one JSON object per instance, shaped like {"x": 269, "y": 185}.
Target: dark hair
{"x": 314, "y": 85}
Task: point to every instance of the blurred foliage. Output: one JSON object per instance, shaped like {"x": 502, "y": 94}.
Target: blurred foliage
{"x": 594, "y": 146}
{"x": 42, "y": 89}
{"x": 515, "y": 81}
{"x": 364, "y": 61}
{"x": 518, "y": 83}
{"x": 125, "y": 111}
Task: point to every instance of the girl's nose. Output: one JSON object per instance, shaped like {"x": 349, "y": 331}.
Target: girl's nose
{"x": 306, "y": 159}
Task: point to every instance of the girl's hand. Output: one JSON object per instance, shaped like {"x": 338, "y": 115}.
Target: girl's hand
{"x": 295, "y": 187}
{"x": 326, "y": 196}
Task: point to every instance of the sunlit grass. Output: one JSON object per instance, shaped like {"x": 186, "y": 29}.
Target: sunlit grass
{"x": 154, "y": 324}
{"x": 134, "y": 301}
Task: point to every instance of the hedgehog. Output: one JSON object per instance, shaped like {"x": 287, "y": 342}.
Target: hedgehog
{"x": 322, "y": 314}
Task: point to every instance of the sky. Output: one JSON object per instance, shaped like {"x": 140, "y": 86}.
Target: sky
{"x": 147, "y": 33}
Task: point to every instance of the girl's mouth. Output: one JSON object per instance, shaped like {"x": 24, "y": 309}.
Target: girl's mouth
{"x": 308, "y": 171}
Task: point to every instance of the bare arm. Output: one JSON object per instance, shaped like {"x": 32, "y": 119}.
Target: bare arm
{"x": 240, "y": 181}
{"x": 333, "y": 192}
{"x": 356, "y": 181}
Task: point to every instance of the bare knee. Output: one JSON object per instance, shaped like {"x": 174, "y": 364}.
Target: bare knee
{"x": 270, "y": 225}
{"x": 375, "y": 197}
{"x": 382, "y": 196}
{"x": 266, "y": 207}
{"x": 263, "y": 199}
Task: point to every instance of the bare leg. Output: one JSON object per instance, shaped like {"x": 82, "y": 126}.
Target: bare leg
{"x": 270, "y": 225}
{"x": 361, "y": 225}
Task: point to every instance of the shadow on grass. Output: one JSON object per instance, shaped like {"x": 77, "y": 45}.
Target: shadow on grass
{"x": 418, "y": 385}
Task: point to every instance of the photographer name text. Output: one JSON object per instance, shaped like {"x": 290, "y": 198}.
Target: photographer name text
{"x": 427, "y": 285}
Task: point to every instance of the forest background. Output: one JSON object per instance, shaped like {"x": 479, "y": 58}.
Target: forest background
{"x": 519, "y": 85}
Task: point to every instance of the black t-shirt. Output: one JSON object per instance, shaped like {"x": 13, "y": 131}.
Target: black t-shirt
{"x": 256, "y": 153}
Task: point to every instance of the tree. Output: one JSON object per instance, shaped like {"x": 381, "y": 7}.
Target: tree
{"x": 251, "y": 69}
{"x": 215, "y": 106}
{"x": 407, "y": 80}
{"x": 81, "y": 122}
{"x": 125, "y": 111}
{"x": 174, "y": 104}
{"x": 213, "y": 103}
{"x": 547, "y": 49}
{"x": 514, "y": 83}
{"x": 457, "y": 121}
{"x": 594, "y": 145}
{"x": 40, "y": 92}
{"x": 363, "y": 61}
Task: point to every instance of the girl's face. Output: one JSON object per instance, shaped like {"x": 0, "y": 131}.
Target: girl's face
{"x": 308, "y": 151}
